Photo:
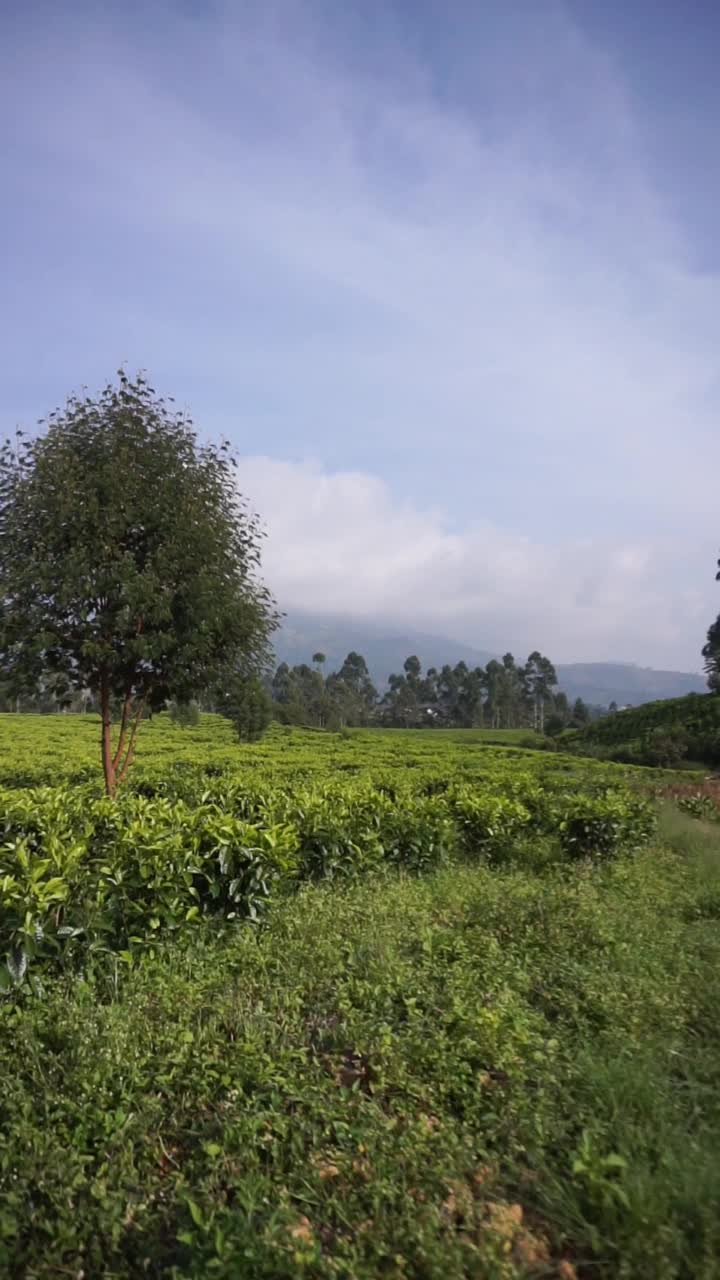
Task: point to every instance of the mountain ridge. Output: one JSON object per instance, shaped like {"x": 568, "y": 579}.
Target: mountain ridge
{"x": 385, "y": 648}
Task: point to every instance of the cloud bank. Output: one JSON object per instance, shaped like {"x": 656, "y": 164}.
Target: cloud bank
{"x": 431, "y": 255}
{"x": 338, "y": 544}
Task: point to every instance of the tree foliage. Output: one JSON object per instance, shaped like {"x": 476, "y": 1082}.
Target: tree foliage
{"x": 248, "y": 705}
{"x": 184, "y": 714}
{"x": 128, "y": 561}
{"x": 711, "y": 651}
{"x": 502, "y": 695}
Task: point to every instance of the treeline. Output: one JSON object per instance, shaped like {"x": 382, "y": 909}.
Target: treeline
{"x": 503, "y": 695}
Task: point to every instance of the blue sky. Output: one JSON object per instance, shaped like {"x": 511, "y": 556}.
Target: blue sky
{"x": 447, "y": 275}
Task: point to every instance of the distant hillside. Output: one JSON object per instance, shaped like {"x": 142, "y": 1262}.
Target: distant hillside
{"x": 601, "y": 683}
{"x": 659, "y": 733}
{"x": 385, "y": 649}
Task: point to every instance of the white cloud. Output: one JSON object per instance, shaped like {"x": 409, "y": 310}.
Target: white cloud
{"x": 337, "y": 543}
{"x": 455, "y": 286}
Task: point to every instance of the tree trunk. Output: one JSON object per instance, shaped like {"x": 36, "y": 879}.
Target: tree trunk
{"x": 106, "y": 736}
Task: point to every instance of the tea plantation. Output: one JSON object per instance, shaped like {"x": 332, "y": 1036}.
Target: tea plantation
{"x": 380, "y": 1003}
{"x": 669, "y": 733}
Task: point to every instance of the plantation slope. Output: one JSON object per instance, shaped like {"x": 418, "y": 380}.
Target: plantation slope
{"x": 38, "y": 750}
{"x": 658, "y": 734}
{"x": 477, "y": 1073}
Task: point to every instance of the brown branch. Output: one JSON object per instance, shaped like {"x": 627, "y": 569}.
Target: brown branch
{"x": 123, "y": 726}
{"x": 106, "y": 744}
{"x": 127, "y": 704}
{"x": 131, "y": 744}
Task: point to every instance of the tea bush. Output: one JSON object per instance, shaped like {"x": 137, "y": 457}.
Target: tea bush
{"x": 660, "y": 733}
{"x": 700, "y": 806}
{"x": 460, "y": 1032}
{"x": 478, "y": 1072}
{"x": 81, "y": 874}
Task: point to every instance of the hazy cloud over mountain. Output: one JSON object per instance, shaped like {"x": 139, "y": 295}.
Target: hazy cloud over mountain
{"x": 338, "y": 543}
{"x": 447, "y": 276}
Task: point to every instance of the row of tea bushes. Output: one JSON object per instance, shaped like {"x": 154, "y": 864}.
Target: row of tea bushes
{"x": 81, "y": 874}
{"x": 53, "y": 750}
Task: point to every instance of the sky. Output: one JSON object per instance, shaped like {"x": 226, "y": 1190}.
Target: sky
{"x": 447, "y": 275}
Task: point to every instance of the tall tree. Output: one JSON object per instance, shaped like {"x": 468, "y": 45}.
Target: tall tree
{"x": 128, "y": 561}
{"x": 511, "y": 693}
{"x": 413, "y": 674}
{"x": 711, "y": 651}
{"x": 580, "y": 714}
{"x": 282, "y": 684}
{"x": 351, "y": 691}
{"x": 562, "y": 707}
{"x": 402, "y": 701}
{"x": 494, "y": 682}
{"x": 540, "y": 679}
{"x": 447, "y": 693}
{"x": 247, "y": 704}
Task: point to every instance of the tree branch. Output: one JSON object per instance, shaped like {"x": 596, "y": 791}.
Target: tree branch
{"x": 123, "y": 726}
{"x": 131, "y": 743}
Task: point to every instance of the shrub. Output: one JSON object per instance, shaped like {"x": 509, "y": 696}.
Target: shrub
{"x": 603, "y": 826}
{"x": 184, "y": 714}
{"x": 487, "y": 823}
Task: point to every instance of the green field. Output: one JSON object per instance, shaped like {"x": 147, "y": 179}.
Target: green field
{"x": 47, "y": 750}
{"x": 673, "y": 732}
{"x": 406, "y": 1004}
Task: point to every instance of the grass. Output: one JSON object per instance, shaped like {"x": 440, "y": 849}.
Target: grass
{"x": 49, "y": 745}
{"x": 476, "y": 1073}
{"x": 53, "y": 749}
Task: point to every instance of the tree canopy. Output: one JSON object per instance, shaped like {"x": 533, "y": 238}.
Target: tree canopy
{"x": 128, "y": 561}
{"x": 502, "y": 695}
{"x": 711, "y": 651}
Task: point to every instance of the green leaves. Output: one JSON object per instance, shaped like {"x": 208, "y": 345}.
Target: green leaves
{"x": 659, "y": 734}
{"x": 141, "y": 869}
{"x": 601, "y": 826}
{"x": 129, "y": 560}
{"x": 80, "y": 874}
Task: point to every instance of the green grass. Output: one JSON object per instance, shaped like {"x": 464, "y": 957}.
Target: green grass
{"x": 49, "y": 750}
{"x": 35, "y": 748}
{"x": 476, "y": 1073}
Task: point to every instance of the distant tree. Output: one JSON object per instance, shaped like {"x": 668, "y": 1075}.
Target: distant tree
{"x": 351, "y": 693}
{"x": 401, "y": 704}
{"x": 711, "y": 654}
{"x": 184, "y": 714}
{"x": 128, "y": 562}
{"x": 580, "y": 714}
{"x": 554, "y": 724}
{"x": 299, "y": 695}
{"x": 512, "y": 694}
{"x": 561, "y": 707}
{"x": 711, "y": 651}
{"x": 445, "y": 693}
{"x": 540, "y": 679}
{"x": 612, "y": 708}
{"x": 281, "y": 686}
{"x": 494, "y": 680}
{"x": 413, "y": 672}
{"x": 309, "y": 693}
{"x": 468, "y": 688}
{"x": 319, "y": 659}
{"x": 429, "y": 688}
{"x": 248, "y": 705}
